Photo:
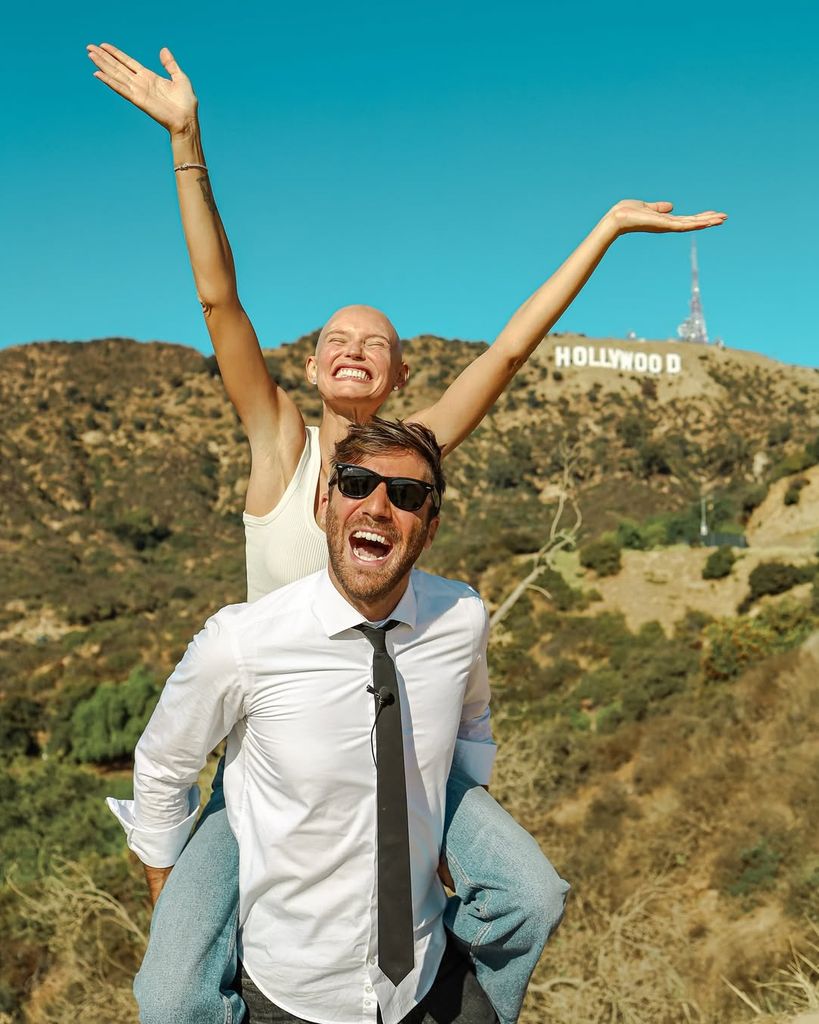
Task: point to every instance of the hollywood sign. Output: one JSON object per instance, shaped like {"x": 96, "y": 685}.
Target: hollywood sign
{"x": 606, "y": 358}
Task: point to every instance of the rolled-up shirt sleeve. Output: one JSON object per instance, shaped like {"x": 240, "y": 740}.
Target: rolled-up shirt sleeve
{"x": 475, "y": 748}
{"x": 201, "y": 702}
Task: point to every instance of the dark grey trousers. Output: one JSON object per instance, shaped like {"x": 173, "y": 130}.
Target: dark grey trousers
{"x": 455, "y": 997}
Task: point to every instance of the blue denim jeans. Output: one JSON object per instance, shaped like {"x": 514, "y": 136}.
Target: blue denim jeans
{"x": 508, "y": 900}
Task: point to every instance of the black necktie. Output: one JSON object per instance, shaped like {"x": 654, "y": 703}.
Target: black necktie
{"x": 396, "y": 945}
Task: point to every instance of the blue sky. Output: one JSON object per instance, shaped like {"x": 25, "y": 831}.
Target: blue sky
{"x": 436, "y": 160}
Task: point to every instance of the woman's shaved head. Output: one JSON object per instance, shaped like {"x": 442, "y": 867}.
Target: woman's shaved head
{"x": 365, "y": 321}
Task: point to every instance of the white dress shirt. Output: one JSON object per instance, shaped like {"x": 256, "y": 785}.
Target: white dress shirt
{"x": 286, "y": 678}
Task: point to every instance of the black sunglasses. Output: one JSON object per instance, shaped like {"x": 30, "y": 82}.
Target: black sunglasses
{"x": 403, "y": 491}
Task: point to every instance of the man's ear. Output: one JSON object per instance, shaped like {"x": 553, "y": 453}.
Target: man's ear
{"x": 403, "y": 377}
{"x": 311, "y": 370}
{"x": 324, "y": 501}
{"x": 432, "y": 529}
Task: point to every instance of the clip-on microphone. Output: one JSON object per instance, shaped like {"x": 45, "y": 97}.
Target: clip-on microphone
{"x": 383, "y": 695}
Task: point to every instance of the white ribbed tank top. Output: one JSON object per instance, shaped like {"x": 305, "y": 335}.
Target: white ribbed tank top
{"x": 287, "y": 543}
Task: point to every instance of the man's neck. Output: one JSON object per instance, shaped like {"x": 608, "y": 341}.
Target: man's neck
{"x": 373, "y": 611}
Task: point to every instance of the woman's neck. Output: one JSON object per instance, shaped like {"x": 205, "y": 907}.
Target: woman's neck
{"x": 333, "y": 428}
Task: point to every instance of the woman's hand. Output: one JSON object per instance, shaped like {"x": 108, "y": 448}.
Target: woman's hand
{"x": 633, "y": 215}
{"x": 171, "y": 102}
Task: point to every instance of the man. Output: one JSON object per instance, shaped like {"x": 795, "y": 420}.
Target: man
{"x": 287, "y": 679}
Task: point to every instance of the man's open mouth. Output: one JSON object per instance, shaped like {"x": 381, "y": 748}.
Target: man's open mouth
{"x": 351, "y": 373}
{"x": 370, "y": 546}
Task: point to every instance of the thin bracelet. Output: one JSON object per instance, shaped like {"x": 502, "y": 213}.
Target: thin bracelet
{"x": 185, "y": 167}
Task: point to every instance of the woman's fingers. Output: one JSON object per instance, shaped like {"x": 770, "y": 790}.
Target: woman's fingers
{"x": 112, "y": 83}
{"x": 697, "y": 221}
{"x": 122, "y": 57}
{"x": 169, "y": 62}
{"x": 110, "y": 65}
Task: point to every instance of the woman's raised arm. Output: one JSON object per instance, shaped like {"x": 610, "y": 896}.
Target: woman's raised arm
{"x": 273, "y": 423}
{"x": 472, "y": 394}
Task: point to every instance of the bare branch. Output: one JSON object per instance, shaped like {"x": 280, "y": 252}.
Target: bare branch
{"x": 559, "y": 536}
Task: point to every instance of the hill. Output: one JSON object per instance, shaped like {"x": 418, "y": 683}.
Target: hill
{"x": 654, "y": 724}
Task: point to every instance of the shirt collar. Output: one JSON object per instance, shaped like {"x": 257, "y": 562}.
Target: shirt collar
{"x": 336, "y": 614}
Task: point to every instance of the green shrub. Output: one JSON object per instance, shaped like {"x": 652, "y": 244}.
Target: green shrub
{"x": 665, "y": 670}
{"x": 599, "y": 687}
{"x": 106, "y": 726}
{"x": 776, "y": 578}
{"x": 653, "y": 458}
{"x": 609, "y": 718}
{"x": 758, "y": 867}
{"x": 559, "y": 673}
{"x": 797, "y": 462}
{"x": 50, "y": 809}
{"x": 511, "y": 465}
{"x": 719, "y": 563}
{"x": 140, "y": 528}
{"x": 734, "y": 644}
{"x": 631, "y": 535}
{"x": 59, "y": 712}
{"x": 20, "y": 720}
{"x": 632, "y": 430}
{"x": 751, "y": 499}
{"x": 602, "y": 556}
{"x": 635, "y": 703}
{"x": 564, "y": 596}
{"x": 794, "y": 490}
{"x": 691, "y": 625}
{"x": 779, "y": 433}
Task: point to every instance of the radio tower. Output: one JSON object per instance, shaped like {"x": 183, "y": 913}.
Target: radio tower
{"x": 694, "y": 329}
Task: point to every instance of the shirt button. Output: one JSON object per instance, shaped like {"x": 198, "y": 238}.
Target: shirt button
{"x": 368, "y": 988}
{"x": 372, "y": 961}
{"x": 367, "y": 1002}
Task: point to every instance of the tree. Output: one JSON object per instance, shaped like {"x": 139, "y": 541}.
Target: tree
{"x": 106, "y": 726}
{"x": 560, "y": 536}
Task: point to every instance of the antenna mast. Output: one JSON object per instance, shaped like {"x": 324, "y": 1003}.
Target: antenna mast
{"x": 694, "y": 329}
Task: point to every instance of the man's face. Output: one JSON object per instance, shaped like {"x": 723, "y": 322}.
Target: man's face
{"x": 372, "y": 543}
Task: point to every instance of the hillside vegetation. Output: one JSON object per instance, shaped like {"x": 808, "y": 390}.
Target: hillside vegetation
{"x": 656, "y": 703}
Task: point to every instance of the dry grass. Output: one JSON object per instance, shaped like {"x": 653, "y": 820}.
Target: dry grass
{"x": 667, "y": 922}
{"x": 617, "y": 966}
{"x": 93, "y": 947}
{"x": 792, "y": 997}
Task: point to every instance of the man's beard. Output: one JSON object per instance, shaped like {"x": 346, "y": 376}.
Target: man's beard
{"x": 368, "y": 585}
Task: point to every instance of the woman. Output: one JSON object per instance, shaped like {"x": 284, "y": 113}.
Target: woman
{"x": 508, "y": 898}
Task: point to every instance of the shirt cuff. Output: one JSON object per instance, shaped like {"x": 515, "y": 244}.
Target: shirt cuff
{"x": 158, "y": 848}
{"x": 475, "y": 758}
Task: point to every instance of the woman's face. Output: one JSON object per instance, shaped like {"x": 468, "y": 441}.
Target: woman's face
{"x": 357, "y": 361}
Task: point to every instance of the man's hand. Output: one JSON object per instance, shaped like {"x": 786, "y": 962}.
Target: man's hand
{"x": 633, "y": 215}
{"x": 156, "y": 878}
{"x": 171, "y": 101}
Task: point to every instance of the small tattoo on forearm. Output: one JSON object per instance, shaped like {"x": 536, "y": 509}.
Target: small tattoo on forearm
{"x": 207, "y": 195}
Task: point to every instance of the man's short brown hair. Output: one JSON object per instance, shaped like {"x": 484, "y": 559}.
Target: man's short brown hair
{"x": 386, "y": 437}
